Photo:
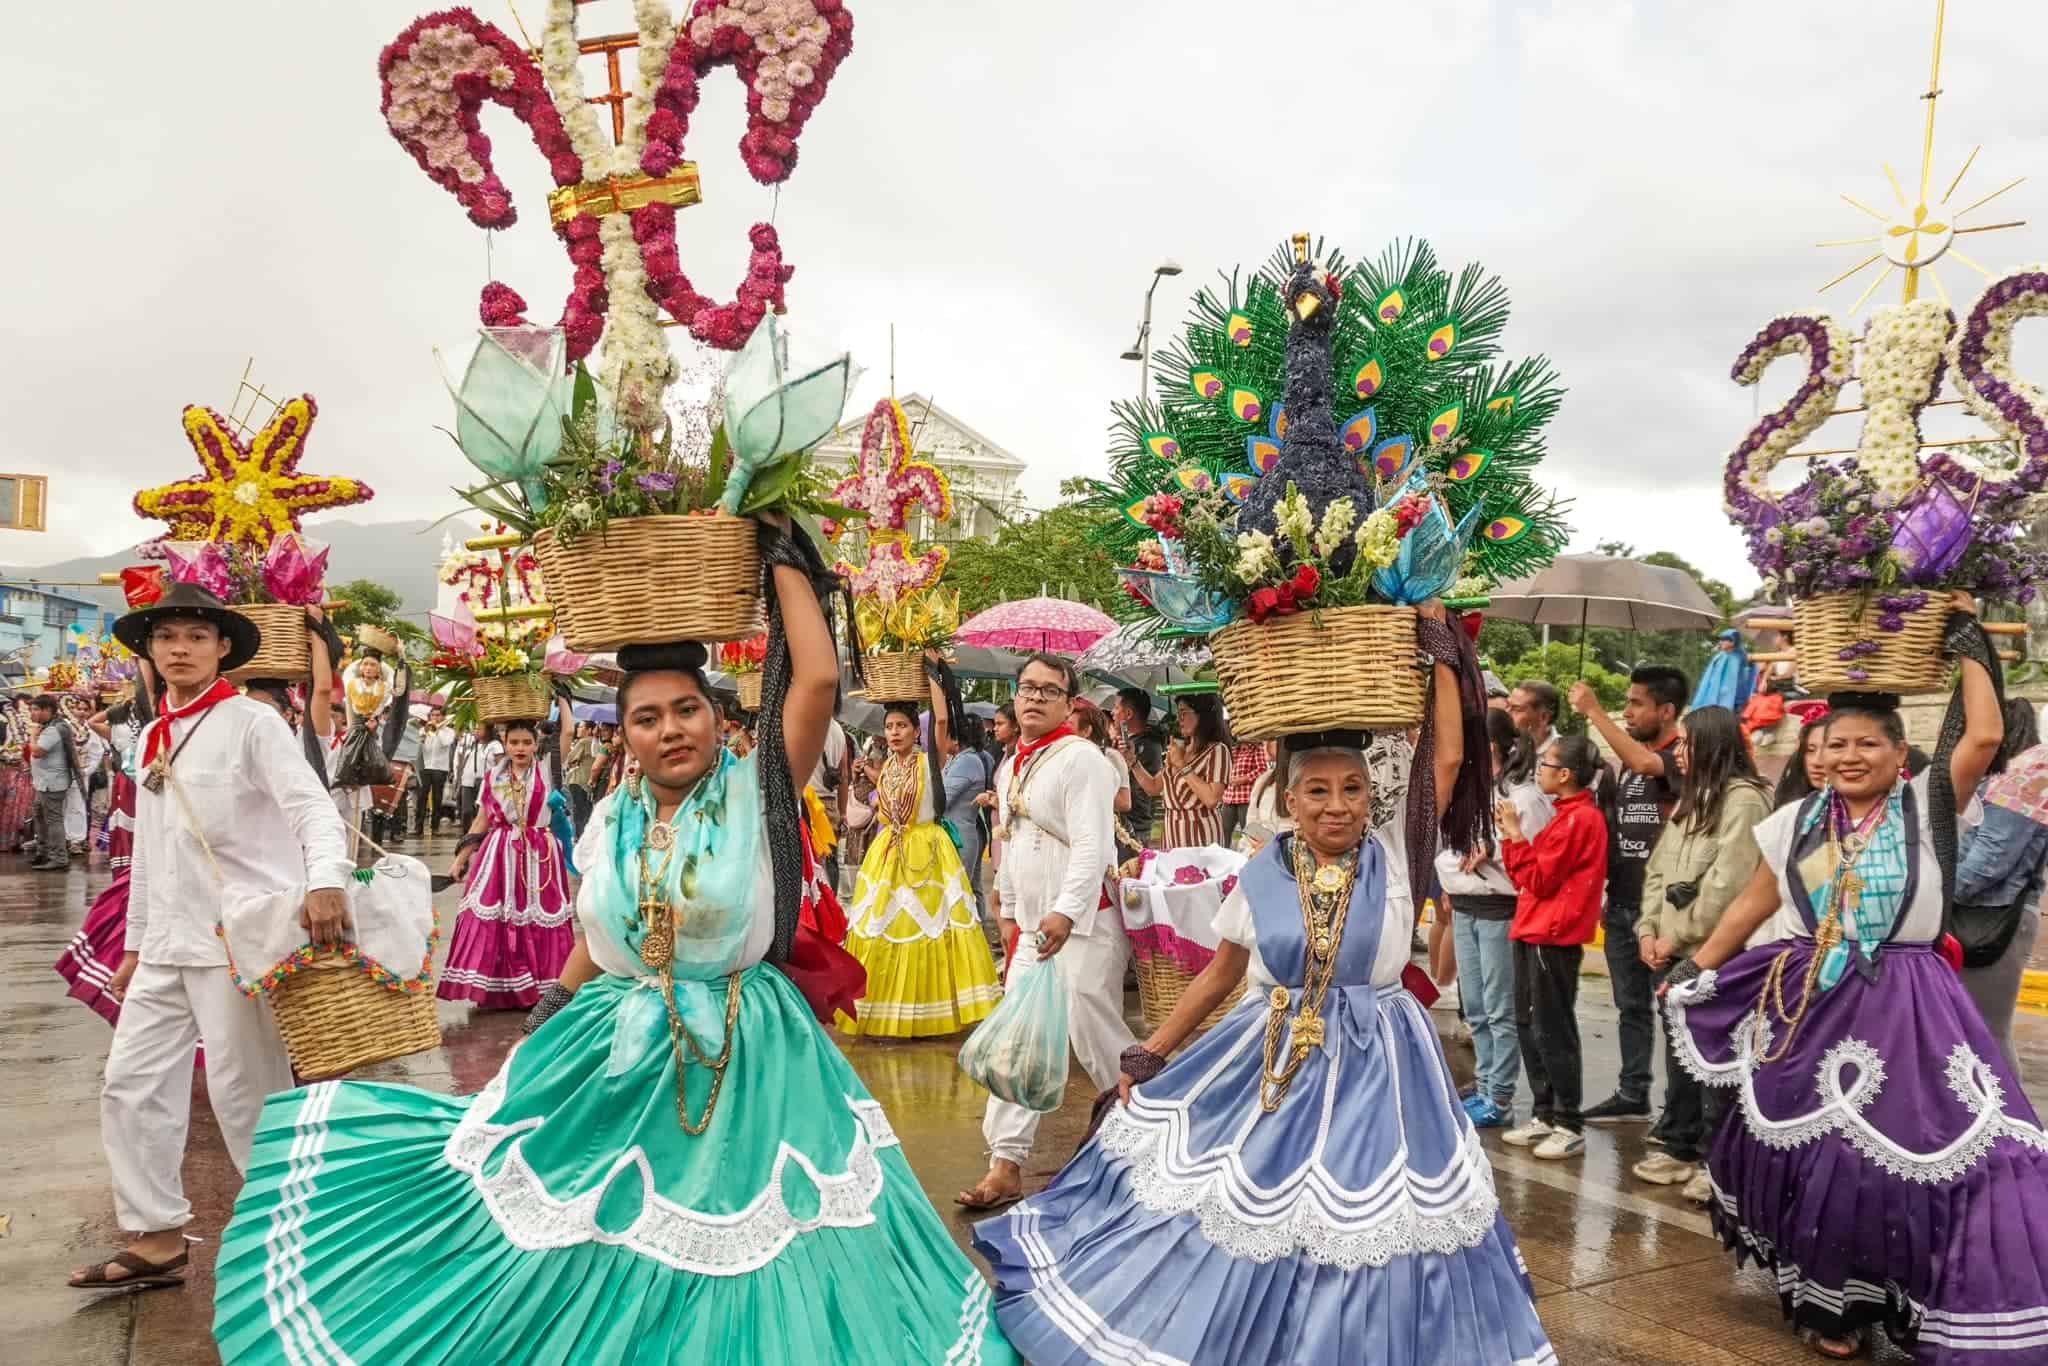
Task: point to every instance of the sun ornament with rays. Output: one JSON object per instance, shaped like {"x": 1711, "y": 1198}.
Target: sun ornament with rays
{"x": 1916, "y": 234}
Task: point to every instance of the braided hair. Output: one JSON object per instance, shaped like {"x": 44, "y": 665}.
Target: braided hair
{"x": 780, "y": 791}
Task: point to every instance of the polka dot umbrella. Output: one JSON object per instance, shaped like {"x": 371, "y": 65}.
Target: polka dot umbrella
{"x": 1053, "y": 624}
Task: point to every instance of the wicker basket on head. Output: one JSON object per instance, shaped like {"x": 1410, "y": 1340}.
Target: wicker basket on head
{"x": 377, "y": 638}
{"x": 284, "y": 652}
{"x": 750, "y": 691}
{"x": 1906, "y": 661}
{"x": 1344, "y": 667}
{"x": 335, "y": 1018}
{"x": 1162, "y": 981}
{"x": 511, "y": 697}
{"x": 895, "y": 676}
{"x": 645, "y": 579}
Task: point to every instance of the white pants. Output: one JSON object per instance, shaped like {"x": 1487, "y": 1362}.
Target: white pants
{"x": 146, "y": 1101}
{"x": 1092, "y": 967}
{"x": 74, "y": 814}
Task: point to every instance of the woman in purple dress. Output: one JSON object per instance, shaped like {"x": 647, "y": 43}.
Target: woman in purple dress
{"x": 513, "y": 932}
{"x": 1880, "y": 1158}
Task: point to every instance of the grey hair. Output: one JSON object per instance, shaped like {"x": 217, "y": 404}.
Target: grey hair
{"x": 1297, "y": 763}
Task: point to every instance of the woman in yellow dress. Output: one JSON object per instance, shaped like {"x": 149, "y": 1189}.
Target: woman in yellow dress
{"x": 913, "y": 924}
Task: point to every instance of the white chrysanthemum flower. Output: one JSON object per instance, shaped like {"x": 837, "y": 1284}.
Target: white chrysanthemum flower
{"x": 1378, "y": 539}
{"x": 1256, "y": 556}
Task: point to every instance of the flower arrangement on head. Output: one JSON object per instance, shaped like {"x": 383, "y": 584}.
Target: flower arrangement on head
{"x": 1889, "y": 528}
{"x": 741, "y": 657}
{"x": 899, "y": 605}
{"x": 616, "y": 203}
{"x": 512, "y": 650}
{"x": 1332, "y": 435}
{"x": 562, "y": 457}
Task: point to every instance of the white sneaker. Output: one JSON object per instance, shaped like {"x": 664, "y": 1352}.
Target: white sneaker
{"x": 1561, "y": 1143}
{"x": 1699, "y": 1190}
{"x": 1527, "y": 1134}
{"x": 1662, "y": 1169}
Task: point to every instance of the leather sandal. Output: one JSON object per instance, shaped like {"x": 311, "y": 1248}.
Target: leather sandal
{"x": 142, "y": 1274}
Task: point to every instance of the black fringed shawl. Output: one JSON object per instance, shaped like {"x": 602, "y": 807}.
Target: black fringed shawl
{"x": 1468, "y": 819}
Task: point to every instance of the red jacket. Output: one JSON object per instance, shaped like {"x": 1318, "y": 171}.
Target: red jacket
{"x": 1561, "y": 875}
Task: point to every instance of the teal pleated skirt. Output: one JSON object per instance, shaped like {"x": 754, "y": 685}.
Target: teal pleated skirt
{"x": 562, "y": 1215}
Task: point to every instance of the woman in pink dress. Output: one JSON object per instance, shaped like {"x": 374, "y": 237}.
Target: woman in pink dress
{"x": 89, "y": 960}
{"x": 513, "y": 933}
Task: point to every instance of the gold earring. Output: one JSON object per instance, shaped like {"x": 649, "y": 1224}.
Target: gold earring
{"x": 633, "y": 787}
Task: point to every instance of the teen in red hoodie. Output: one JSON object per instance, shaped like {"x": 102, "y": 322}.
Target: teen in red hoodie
{"x": 1560, "y": 876}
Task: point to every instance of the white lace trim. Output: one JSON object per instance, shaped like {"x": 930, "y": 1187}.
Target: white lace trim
{"x": 1400, "y": 1214}
{"x": 470, "y": 977}
{"x": 872, "y": 921}
{"x": 1970, "y": 1079}
{"x": 684, "y": 1239}
{"x": 879, "y": 1012}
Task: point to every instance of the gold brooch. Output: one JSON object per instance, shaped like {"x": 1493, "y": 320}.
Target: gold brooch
{"x": 1279, "y": 999}
{"x": 661, "y": 836}
{"x": 1329, "y": 879}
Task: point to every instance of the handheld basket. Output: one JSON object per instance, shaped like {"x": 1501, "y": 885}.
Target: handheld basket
{"x": 645, "y": 579}
{"x": 1342, "y": 667}
{"x": 1162, "y": 981}
{"x": 335, "y": 1018}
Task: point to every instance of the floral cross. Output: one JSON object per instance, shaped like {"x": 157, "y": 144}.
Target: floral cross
{"x": 887, "y": 483}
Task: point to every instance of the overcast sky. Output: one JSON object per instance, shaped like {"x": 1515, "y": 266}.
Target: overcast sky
{"x": 193, "y": 185}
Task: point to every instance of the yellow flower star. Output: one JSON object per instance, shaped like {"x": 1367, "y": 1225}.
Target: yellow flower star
{"x": 247, "y": 492}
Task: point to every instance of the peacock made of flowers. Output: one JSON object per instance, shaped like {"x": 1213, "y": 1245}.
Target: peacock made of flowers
{"x": 1332, "y": 434}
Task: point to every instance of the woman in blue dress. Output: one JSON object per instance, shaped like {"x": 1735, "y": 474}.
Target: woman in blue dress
{"x": 678, "y": 1165}
{"x": 1302, "y": 1184}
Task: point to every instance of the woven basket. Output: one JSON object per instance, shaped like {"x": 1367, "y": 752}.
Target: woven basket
{"x": 750, "y": 691}
{"x": 1350, "y": 668}
{"x": 284, "y": 652}
{"x": 1907, "y": 661}
{"x": 511, "y": 697}
{"x": 645, "y": 579}
{"x": 897, "y": 676}
{"x": 334, "y": 1019}
{"x": 1162, "y": 981}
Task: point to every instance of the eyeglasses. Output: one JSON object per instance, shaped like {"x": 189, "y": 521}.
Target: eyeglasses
{"x": 1561, "y": 768}
{"x": 1041, "y": 692}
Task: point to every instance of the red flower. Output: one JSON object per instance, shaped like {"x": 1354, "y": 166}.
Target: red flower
{"x": 1306, "y": 581}
{"x": 1264, "y": 603}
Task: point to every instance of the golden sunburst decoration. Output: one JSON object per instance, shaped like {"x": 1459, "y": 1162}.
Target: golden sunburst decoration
{"x": 1917, "y": 233}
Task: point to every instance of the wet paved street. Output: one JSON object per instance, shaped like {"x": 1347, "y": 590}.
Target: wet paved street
{"x": 1625, "y": 1273}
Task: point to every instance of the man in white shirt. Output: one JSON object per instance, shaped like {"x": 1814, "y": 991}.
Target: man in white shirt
{"x": 437, "y": 749}
{"x": 1055, "y": 798}
{"x": 227, "y": 808}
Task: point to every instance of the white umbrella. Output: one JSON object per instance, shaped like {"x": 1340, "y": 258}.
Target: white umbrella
{"x": 1135, "y": 656}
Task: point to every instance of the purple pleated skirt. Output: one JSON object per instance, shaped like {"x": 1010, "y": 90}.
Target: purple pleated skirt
{"x": 1887, "y": 1169}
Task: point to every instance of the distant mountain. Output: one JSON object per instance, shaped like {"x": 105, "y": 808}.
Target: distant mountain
{"x": 403, "y": 556}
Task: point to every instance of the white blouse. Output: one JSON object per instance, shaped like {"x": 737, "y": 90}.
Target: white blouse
{"x": 1921, "y": 924}
{"x": 1234, "y": 922}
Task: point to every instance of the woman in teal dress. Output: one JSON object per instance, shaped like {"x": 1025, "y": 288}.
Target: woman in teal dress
{"x": 677, "y": 1166}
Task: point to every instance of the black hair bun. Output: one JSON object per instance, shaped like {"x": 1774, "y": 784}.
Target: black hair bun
{"x": 666, "y": 656}
{"x": 1863, "y": 701}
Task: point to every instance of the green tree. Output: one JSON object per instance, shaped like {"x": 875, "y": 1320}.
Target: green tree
{"x": 1049, "y": 553}
{"x": 1558, "y": 664}
{"x": 1505, "y": 641}
{"x": 371, "y": 603}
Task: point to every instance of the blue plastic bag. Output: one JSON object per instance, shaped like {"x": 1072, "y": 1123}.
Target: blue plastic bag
{"x": 1020, "y": 1051}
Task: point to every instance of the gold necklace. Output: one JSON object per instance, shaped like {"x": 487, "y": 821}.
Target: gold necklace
{"x": 657, "y": 951}
{"x": 1325, "y": 906}
{"x": 899, "y": 788}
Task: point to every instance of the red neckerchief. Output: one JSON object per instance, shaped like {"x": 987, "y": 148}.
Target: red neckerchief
{"x": 160, "y": 738}
{"x": 1027, "y": 748}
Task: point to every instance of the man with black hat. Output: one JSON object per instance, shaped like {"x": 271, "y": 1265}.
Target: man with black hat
{"x": 226, "y": 808}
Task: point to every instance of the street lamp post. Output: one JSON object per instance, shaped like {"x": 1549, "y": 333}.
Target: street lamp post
{"x": 1142, "y": 351}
